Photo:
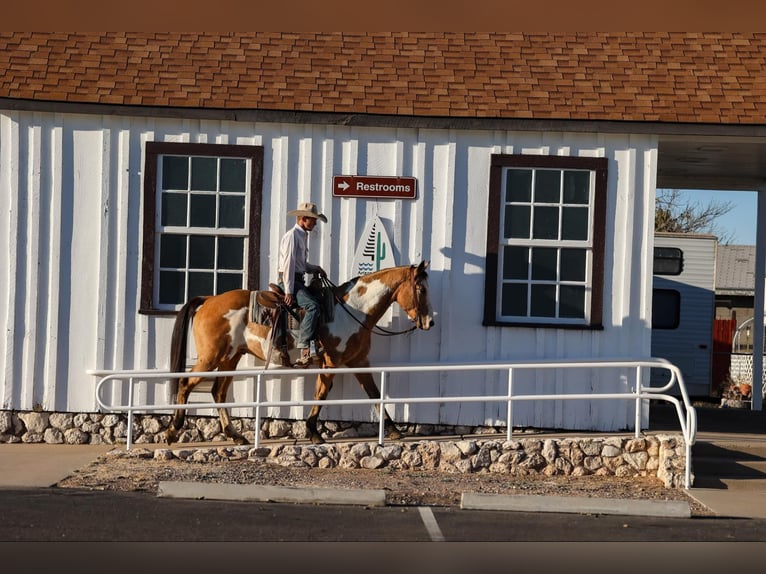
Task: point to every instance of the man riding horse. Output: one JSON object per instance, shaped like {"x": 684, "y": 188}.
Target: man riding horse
{"x": 293, "y": 265}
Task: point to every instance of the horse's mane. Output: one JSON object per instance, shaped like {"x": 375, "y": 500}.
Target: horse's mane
{"x": 348, "y": 285}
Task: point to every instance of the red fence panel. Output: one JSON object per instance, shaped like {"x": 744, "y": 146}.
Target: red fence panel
{"x": 723, "y": 334}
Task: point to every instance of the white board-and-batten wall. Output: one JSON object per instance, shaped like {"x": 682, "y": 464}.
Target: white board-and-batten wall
{"x": 71, "y": 227}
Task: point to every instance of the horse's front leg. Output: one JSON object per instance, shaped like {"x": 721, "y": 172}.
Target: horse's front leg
{"x": 369, "y": 386}
{"x": 323, "y": 387}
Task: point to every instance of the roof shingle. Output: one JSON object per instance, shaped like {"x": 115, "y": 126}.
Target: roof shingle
{"x": 666, "y": 77}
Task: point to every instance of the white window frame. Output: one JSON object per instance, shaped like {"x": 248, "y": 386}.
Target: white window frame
{"x": 592, "y": 245}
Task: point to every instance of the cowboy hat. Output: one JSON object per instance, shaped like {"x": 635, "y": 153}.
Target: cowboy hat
{"x": 307, "y": 210}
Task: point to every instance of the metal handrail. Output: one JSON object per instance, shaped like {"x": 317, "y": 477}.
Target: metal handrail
{"x": 687, "y": 415}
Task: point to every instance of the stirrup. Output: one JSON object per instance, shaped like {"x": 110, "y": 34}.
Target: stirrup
{"x": 304, "y": 362}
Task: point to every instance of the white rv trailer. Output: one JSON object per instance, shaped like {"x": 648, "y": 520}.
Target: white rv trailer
{"x": 683, "y": 306}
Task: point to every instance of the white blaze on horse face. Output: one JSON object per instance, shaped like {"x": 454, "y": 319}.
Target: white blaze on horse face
{"x": 236, "y": 319}
{"x": 430, "y": 311}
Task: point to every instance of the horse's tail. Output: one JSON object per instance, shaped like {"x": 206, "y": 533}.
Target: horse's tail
{"x": 179, "y": 338}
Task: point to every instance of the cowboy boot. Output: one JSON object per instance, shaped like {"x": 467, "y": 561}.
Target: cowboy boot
{"x": 305, "y": 360}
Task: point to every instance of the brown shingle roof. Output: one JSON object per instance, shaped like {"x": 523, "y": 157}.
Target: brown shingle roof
{"x": 666, "y": 77}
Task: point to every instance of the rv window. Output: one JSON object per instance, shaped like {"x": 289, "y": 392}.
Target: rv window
{"x": 201, "y": 220}
{"x": 666, "y": 309}
{"x": 668, "y": 261}
{"x": 545, "y": 241}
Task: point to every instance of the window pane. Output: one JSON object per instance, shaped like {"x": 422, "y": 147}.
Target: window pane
{"x": 514, "y": 301}
{"x": 231, "y": 252}
{"x": 518, "y": 185}
{"x": 204, "y": 173}
{"x": 543, "y": 301}
{"x": 668, "y": 261}
{"x": 200, "y": 283}
{"x": 517, "y": 221}
{"x": 547, "y": 186}
{"x": 572, "y": 304}
{"x": 229, "y": 282}
{"x": 202, "y": 210}
{"x": 544, "y": 263}
{"x": 575, "y": 224}
{"x": 172, "y": 251}
{"x": 576, "y": 187}
{"x": 174, "y": 209}
{"x": 515, "y": 263}
{"x": 546, "y": 224}
{"x": 666, "y": 309}
{"x": 171, "y": 287}
{"x": 201, "y": 252}
{"x": 175, "y": 172}
{"x": 233, "y": 174}
{"x": 232, "y": 211}
{"x": 573, "y": 264}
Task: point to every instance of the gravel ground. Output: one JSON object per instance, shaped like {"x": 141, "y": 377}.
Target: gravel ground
{"x": 402, "y": 487}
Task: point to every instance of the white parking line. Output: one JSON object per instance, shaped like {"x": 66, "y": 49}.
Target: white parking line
{"x": 430, "y": 523}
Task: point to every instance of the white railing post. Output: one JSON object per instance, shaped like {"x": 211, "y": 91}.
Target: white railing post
{"x": 637, "y": 427}
{"x": 257, "y": 437}
{"x": 130, "y": 414}
{"x": 509, "y": 411}
{"x": 382, "y": 412}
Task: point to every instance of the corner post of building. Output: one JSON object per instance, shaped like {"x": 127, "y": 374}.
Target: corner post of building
{"x": 758, "y": 304}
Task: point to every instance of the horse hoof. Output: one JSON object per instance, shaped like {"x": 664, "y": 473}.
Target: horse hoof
{"x": 317, "y": 439}
{"x": 170, "y": 437}
{"x": 395, "y": 434}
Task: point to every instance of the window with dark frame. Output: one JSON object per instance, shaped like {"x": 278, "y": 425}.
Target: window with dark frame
{"x": 202, "y": 205}
{"x": 668, "y": 261}
{"x": 545, "y": 241}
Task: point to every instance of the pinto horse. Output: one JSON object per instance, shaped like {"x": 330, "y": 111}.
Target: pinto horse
{"x": 223, "y": 333}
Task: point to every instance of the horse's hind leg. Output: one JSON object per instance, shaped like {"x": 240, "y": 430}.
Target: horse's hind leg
{"x": 323, "y": 386}
{"x": 220, "y": 390}
{"x": 179, "y": 415}
{"x": 369, "y": 386}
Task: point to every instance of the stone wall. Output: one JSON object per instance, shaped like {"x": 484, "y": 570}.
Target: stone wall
{"x": 662, "y": 456}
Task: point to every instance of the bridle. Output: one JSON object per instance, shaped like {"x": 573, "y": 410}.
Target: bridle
{"x": 375, "y": 329}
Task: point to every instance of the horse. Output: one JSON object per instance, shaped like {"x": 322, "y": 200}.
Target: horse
{"x": 224, "y": 332}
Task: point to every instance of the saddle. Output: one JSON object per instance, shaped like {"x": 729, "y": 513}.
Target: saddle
{"x": 274, "y": 299}
{"x": 268, "y": 308}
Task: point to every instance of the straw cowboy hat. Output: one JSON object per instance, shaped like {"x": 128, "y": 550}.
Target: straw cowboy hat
{"x": 307, "y": 210}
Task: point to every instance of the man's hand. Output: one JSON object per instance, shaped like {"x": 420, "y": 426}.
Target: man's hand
{"x": 321, "y": 273}
{"x": 289, "y": 299}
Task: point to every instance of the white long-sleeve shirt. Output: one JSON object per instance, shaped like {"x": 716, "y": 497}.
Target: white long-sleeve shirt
{"x": 293, "y": 256}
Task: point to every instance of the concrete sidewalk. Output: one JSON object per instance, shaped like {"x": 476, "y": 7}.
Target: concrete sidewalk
{"x": 41, "y": 465}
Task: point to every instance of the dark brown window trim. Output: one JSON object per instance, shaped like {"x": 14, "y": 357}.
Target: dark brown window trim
{"x": 156, "y": 149}
{"x": 500, "y": 161}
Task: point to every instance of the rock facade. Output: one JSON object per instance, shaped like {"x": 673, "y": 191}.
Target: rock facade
{"x": 662, "y": 456}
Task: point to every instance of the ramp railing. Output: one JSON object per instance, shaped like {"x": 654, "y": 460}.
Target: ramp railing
{"x": 687, "y": 417}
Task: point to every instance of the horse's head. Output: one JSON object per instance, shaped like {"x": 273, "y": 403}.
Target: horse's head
{"x": 413, "y": 297}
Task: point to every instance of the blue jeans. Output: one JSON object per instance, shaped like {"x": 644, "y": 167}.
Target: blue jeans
{"x": 310, "y": 304}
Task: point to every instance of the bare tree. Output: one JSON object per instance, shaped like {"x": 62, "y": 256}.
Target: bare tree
{"x": 674, "y": 214}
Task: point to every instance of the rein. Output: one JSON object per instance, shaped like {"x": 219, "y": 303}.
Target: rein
{"x": 380, "y": 330}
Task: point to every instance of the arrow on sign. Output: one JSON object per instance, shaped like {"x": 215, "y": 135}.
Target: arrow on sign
{"x": 343, "y": 185}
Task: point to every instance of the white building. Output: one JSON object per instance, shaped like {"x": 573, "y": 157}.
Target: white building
{"x": 535, "y": 205}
